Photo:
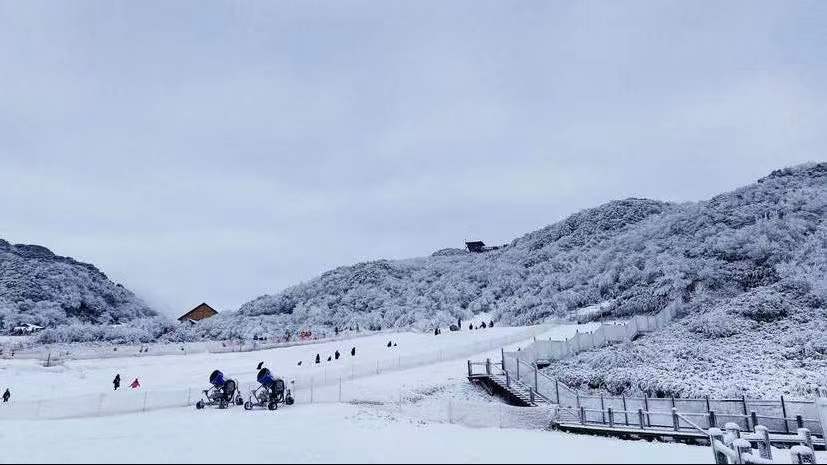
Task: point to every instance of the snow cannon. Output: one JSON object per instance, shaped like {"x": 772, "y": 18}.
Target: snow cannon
{"x": 217, "y": 379}
{"x": 223, "y": 392}
{"x": 270, "y": 393}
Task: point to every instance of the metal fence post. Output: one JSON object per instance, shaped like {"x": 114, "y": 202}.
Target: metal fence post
{"x": 676, "y": 421}
{"x": 641, "y": 419}
{"x": 557, "y": 390}
{"x": 602, "y": 409}
{"x": 754, "y": 416}
{"x": 713, "y": 422}
{"x": 536, "y": 381}
{"x": 646, "y": 406}
{"x": 625, "y": 410}
{"x": 469, "y": 369}
{"x": 611, "y": 418}
{"x": 784, "y": 414}
{"x": 746, "y": 412}
{"x": 488, "y": 366}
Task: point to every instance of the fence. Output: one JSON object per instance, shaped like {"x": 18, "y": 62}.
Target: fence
{"x": 606, "y": 334}
{"x": 733, "y": 447}
{"x": 417, "y": 403}
{"x": 781, "y": 416}
{"x": 56, "y": 353}
{"x": 314, "y": 385}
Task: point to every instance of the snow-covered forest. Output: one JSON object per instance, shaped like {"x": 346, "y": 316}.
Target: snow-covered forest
{"x": 41, "y": 288}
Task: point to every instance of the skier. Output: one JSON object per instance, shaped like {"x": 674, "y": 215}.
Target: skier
{"x": 471, "y": 327}
{"x": 135, "y": 384}
{"x": 353, "y": 352}
{"x": 330, "y": 359}
{"x": 492, "y": 324}
{"x": 300, "y": 363}
{"x": 337, "y": 355}
{"x": 484, "y": 325}
{"x": 318, "y": 359}
{"x": 436, "y": 332}
{"x": 390, "y": 344}
{"x": 6, "y": 396}
{"x": 117, "y": 381}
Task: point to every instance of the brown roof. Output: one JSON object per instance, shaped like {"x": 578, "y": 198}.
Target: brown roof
{"x": 199, "y": 313}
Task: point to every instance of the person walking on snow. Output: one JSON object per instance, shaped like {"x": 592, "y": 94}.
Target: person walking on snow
{"x": 353, "y": 352}
{"x": 318, "y": 359}
{"x": 6, "y": 396}
{"x": 117, "y": 381}
{"x": 135, "y": 384}
{"x": 337, "y": 355}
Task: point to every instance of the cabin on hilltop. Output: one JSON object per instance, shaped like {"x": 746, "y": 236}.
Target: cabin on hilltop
{"x": 479, "y": 247}
{"x": 201, "y": 312}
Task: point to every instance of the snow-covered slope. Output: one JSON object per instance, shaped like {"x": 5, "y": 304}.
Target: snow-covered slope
{"x": 39, "y": 287}
{"x": 638, "y": 255}
{"x": 745, "y": 272}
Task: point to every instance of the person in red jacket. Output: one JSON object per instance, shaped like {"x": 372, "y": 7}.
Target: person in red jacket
{"x": 135, "y": 384}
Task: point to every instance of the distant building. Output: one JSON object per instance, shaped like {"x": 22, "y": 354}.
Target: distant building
{"x": 201, "y": 312}
{"x": 479, "y": 247}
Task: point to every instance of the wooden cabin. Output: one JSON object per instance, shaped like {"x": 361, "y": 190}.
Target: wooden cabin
{"x": 475, "y": 246}
{"x": 201, "y": 312}
{"x": 480, "y": 247}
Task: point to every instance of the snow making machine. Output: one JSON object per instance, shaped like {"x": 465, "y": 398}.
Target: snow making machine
{"x": 270, "y": 393}
{"x": 222, "y": 392}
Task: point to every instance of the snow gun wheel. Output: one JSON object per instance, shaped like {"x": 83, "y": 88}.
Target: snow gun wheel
{"x": 272, "y": 406}
{"x": 199, "y": 405}
{"x": 223, "y": 405}
{"x": 289, "y": 401}
{"x": 248, "y": 406}
{"x": 239, "y": 401}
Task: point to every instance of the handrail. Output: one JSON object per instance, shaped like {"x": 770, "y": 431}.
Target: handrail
{"x": 691, "y": 423}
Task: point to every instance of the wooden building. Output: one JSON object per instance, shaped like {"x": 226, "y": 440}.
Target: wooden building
{"x": 479, "y": 247}
{"x": 201, "y": 312}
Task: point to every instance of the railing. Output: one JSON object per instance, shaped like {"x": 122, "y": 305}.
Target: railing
{"x": 781, "y": 416}
{"x": 606, "y": 334}
{"x": 731, "y": 446}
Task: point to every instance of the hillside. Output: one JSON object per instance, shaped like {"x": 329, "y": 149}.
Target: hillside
{"x": 39, "y": 287}
{"x": 745, "y": 270}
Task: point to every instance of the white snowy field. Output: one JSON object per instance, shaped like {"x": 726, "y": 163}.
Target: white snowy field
{"x": 426, "y": 413}
{"x": 29, "y": 380}
{"x": 332, "y": 433}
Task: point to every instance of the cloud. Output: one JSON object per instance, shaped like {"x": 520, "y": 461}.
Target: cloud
{"x": 220, "y": 151}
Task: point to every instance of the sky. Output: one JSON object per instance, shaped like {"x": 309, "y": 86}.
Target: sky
{"x": 221, "y": 150}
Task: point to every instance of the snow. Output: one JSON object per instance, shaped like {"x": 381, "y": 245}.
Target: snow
{"x": 428, "y": 413}
{"x": 399, "y": 416}
{"x": 312, "y": 434}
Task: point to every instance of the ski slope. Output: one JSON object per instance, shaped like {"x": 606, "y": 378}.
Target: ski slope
{"x": 418, "y": 414}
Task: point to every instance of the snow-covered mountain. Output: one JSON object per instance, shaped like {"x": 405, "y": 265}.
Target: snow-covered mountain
{"x": 742, "y": 261}
{"x": 39, "y": 287}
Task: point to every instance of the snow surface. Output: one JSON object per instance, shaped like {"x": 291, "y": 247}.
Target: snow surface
{"x": 406, "y": 416}
{"x": 311, "y": 434}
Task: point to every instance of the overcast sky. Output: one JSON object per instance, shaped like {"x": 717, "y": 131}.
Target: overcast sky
{"x": 216, "y": 151}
